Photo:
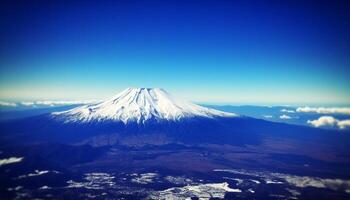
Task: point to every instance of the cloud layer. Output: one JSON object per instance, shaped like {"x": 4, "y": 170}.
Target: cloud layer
{"x": 330, "y": 122}
{"x": 7, "y": 104}
{"x": 45, "y": 103}
{"x": 324, "y": 110}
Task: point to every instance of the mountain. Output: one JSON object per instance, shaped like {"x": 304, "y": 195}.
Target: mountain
{"x": 146, "y": 116}
{"x": 139, "y": 105}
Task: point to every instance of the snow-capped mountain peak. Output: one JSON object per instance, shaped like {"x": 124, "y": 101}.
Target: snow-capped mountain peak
{"x": 140, "y": 105}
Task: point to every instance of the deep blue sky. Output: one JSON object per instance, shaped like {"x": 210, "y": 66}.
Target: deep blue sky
{"x": 250, "y": 52}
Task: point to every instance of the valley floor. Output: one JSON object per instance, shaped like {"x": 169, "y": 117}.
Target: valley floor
{"x": 168, "y": 172}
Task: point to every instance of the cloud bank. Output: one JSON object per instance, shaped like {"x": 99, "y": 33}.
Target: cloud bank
{"x": 330, "y": 122}
{"x": 285, "y": 117}
{"x": 45, "y": 103}
{"x": 324, "y": 110}
{"x": 7, "y": 104}
{"x": 56, "y": 103}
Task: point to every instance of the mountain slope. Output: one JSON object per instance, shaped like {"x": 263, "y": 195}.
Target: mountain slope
{"x": 139, "y": 105}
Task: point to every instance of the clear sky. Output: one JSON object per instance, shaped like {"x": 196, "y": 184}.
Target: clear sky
{"x": 250, "y": 52}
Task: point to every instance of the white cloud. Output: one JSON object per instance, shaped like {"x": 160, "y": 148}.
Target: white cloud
{"x": 344, "y": 124}
{"x": 27, "y": 103}
{"x": 268, "y": 116}
{"x": 45, "y": 103}
{"x": 53, "y": 103}
{"x": 7, "y": 104}
{"x": 330, "y": 121}
{"x": 287, "y": 111}
{"x": 11, "y": 160}
{"x": 285, "y": 117}
{"x": 56, "y": 103}
{"x": 323, "y": 121}
{"x": 324, "y": 110}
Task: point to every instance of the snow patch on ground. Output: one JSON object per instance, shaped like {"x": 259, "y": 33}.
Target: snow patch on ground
{"x": 201, "y": 191}
{"x": 255, "y": 181}
{"x": 294, "y": 193}
{"x": 178, "y": 180}
{"x": 269, "y": 181}
{"x": 45, "y": 187}
{"x": 306, "y": 181}
{"x": 297, "y": 181}
{"x": 251, "y": 191}
{"x": 93, "y": 181}
{"x": 36, "y": 173}
{"x": 239, "y": 181}
{"x": 15, "y": 188}
{"x": 145, "y": 178}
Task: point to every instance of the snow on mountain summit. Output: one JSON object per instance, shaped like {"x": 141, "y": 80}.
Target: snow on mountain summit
{"x": 140, "y": 105}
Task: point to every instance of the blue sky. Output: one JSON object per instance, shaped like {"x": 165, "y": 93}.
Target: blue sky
{"x": 248, "y": 52}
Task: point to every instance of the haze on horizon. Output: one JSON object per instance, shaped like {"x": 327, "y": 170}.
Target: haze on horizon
{"x": 251, "y": 52}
